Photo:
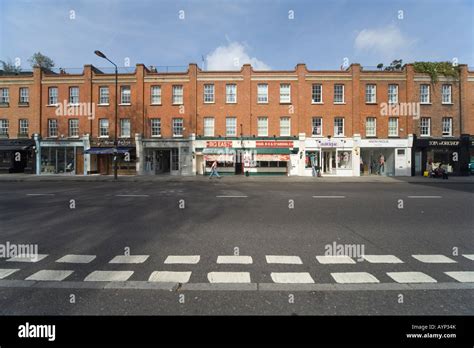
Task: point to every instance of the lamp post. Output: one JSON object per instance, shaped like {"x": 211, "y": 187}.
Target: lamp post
{"x": 101, "y": 55}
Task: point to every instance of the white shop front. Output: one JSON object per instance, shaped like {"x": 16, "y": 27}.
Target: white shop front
{"x": 331, "y": 156}
{"x": 386, "y": 157}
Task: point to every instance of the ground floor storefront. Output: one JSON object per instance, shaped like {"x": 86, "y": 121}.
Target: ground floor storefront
{"x": 17, "y": 156}
{"x": 101, "y": 153}
{"x": 58, "y": 156}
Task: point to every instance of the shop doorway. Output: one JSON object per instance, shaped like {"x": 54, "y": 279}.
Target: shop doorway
{"x": 162, "y": 161}
{"x": 329, "y": 161}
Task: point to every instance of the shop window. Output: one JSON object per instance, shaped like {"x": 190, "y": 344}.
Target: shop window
{"x": 344, "y": 159}
{"x": 175, "y": 159}
{"x": 312, "y": 159}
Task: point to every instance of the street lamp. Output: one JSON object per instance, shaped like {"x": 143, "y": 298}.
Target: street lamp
{"x": 101, "y": 55}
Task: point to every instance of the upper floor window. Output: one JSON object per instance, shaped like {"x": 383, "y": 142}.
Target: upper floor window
{"x": 177, "y": 94}
{"x": 125, "y": 95}
{"x": 285, "y": 127}
{"x": 317, "y": 93}
{"x": 73, "y": 128}
{"x": 393, "y": 94}
{"x": 177, "y": 127}
{"x": 208, "y": 126}
{"x": 125, "y": 128}
{"x": 156, "y": 95}
{"x": 24, "y": 95}
{"x": 52, "y": 95}
{"x": 370, "y": 94}
{"x": 155, "y": 127}
{"x": 338, "y": 94}
{"x": 370, "y": 127}
{"x": 103, "y": 127}
{"x": 393, "y": 127}
{"x": 262, "y": 93}
{"x": 23, "y": 127}
{"x": 425, "y": 126}
{"x": 262, "y": 126}
{"x": 104, "y": 95}
{"x": 317, "y": 126}
{"x": 52, "y": 128}
{"x": 4, "y": 127}
{"x": 231, "y": 126}
{"x": 424, "y": 94}
{"x": 4, "y": 96}
{"x": 285, "y": 93}
{"x": 208, "y": 93}
{"x": 73, "y": 95}
{"x": 446, "y": 94}
{"x": 447, "y": 126}
{"x": 231, "y": 93}
{"x": 339, "y": 127}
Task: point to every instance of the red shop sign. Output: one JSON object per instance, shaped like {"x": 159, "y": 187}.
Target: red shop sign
{"x": 265, "y": 143}
{"x": 219, "y": 143}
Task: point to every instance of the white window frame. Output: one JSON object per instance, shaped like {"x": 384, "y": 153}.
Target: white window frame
{"x": 4, "y": 127}
{"x": 231, "y": 126}
{"x": 52, "y": 128}
{"x": 336, "y": 127}
{"x": 178, "y": 127}
{"x": 262, "y": 93}
{"x": 53, "y": 96}
{"x": 125, "y": 128}
{"x": 262, "y": 126}
{"x": 208, "y": 126}
{"x": 392, "y": 94}
{"x": 4, "y": 95}
{"x": 73, "y": 95}
{"x": 391, "y": 127}
{"x": 425, "y": 97}
{"x": 125, "y": 95}
{"x": 443, "y": 94}
{"x": 104, "y": 96}
{"x": 178, "y": 95}
{"x": 371, "y": 129}
{"x": 104, "y": 128}
{"x": 285, "y": 126}
{"x": 371, "y": 93}
{"x": 24, "y": 95}
{"x": 314, "y": 93}
{"x": 231, "y": 98}
{"x": 285, "y": 93}
{"x": 425, "y": 127}
{"x": 336, "y": 93}
{"x": 23, "y": 126}
{"x": 155, "y": 127}
{"x": 447, "y": 121}
{"x": 209, "y": 93}
{"x": 314, "y": 125}
{"x": 73, "y": 130}
{"x": 155, "y": 95}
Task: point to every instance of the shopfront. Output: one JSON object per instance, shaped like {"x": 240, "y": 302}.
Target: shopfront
{"x": 167, "y": 156}
{"x": 17, "y": 156}
{"x": 61, "y": 157}
{"x": 452, "y": 154}
{"x": 101, "y": 157}
{"x": 386, "y": 157}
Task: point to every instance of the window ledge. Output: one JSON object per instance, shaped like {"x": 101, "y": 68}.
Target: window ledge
{"x": 318, "y": 103}
{"x": 371, "y": 103}
{"x": 103, "y": 104}
{"x": 156, "y": 136}
{"x": 52, "y": 105}
{"x": 425, "y": 103}
{"x": 103, "y": 137}
{"x": 22, "y": 105}
{"x": 447, "y": 103}
{"x": 125, "y": 104}
{"x": 339, "y": 103}
{"x": 155, "y": 104}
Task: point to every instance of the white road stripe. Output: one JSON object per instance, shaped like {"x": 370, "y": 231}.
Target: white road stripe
{"x": 235, "y": 259}
{"x": 108, "y": 276}
{"x": 428, "y": 197}
{"x": 170, "y": 277}
{"x": 40, "y": 194}
{"x": 284, "y": 259}
{"x": 182, "y": 259}
{"x": 50, "y": 275}
{"x": 469, "y": 256}
{"x": 231, "y": 196}
{"x": 326, "y": 259}
{"x": 463, "y": 277}
{"x": 6, "y": 272}
{"x": 411, "y": 277}
{"x": 433, "y": 259}
{"x": 29, "y": 258}
{"x": 71, "y": 258}
{"x": 228, "y": 277}
{"x": 132, "y": 195}
{"x": 129, "y": 259}
{"x": 382, "y": 259}
{"x": 354, "y": 278}
{"x": 292, "y": 278}
{"x": 329, "y": 196}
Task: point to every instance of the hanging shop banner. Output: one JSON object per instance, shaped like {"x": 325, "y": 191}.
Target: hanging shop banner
{"x": 273, "y": 144}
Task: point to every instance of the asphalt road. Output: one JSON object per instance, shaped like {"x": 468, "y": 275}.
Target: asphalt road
{"x": 248, "y": 220}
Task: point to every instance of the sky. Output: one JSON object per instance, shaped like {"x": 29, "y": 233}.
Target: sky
{"x": 269, "y": 34}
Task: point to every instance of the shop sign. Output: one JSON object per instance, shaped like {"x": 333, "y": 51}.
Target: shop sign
{"x": 274, "y": 144}
{"x": 443, "y": 143}
{"x": 102, "y": 142}
{"x": 329, "y": 143}
{"x": 124, "y": 142}
{"x": 216, "y": 143}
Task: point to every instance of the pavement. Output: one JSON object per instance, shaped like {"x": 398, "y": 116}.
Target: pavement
{"x": 238, "y": 245}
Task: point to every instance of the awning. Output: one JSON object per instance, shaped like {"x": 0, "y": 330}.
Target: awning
{"x": 218, "y": 151}
{"x": 108, "y": 150}
{"x": 14, "y": 147}
{"x": 269, "y": 150}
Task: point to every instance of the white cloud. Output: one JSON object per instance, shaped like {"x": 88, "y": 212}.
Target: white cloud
{"x": 385, "y": 43}
{"x": 232, "y": 57}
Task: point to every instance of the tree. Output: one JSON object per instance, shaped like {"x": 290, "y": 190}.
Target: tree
{"x": 9, "y": 67}
{"x": 40, "y": 60}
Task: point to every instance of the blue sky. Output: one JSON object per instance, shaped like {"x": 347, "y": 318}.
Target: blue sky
{"x": 228, "y": 33}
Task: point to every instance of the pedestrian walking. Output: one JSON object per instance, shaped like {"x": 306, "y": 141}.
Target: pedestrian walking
{"x": 214, "y": 170}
